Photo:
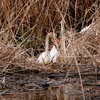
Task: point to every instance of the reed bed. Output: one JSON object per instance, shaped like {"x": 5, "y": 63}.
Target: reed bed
{"x": 24, "y": 24}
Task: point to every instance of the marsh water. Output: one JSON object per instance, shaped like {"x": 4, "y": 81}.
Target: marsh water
{"x": 65, "y": 92}
{"x": 46, "y": 85}
{"x": 53, "y": 93}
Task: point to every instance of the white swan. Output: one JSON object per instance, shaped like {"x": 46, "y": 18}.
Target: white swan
{"x": 48, "y": 56}
{"x": 85, "y": 29}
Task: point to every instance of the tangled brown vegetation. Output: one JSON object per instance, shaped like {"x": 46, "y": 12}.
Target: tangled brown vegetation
{"x": 24, "y": 24}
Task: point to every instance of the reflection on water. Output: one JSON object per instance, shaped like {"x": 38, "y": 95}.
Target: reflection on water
{"x": 63, "y": 92}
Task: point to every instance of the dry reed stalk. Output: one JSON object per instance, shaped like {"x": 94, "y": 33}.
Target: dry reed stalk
{"x": 62, "y": 44}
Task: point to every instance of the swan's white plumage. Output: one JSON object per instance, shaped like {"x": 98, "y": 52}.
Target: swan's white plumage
{"x": 44, "y": 58}
{"x": 54, "y": 54}
{"x": 85, "y": 29}
{"x": 51, "y": 56}
{"x": 48, "y": 56}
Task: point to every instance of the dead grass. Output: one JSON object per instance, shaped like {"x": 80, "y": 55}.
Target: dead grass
{"x": 24, "y": 24}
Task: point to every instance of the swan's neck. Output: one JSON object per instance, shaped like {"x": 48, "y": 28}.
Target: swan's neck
{"x": 47, "y": 43}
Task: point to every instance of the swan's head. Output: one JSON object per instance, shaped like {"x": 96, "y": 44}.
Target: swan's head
{"x": 54, "y": 36}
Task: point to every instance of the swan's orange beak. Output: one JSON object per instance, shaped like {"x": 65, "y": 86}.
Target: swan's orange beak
{"x": 57, "y": 40}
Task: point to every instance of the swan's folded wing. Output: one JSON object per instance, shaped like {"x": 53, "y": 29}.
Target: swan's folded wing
{"x": 40, "y": 58}
{"x": 44, "y": 58}
{"x": 54, "y": 54}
